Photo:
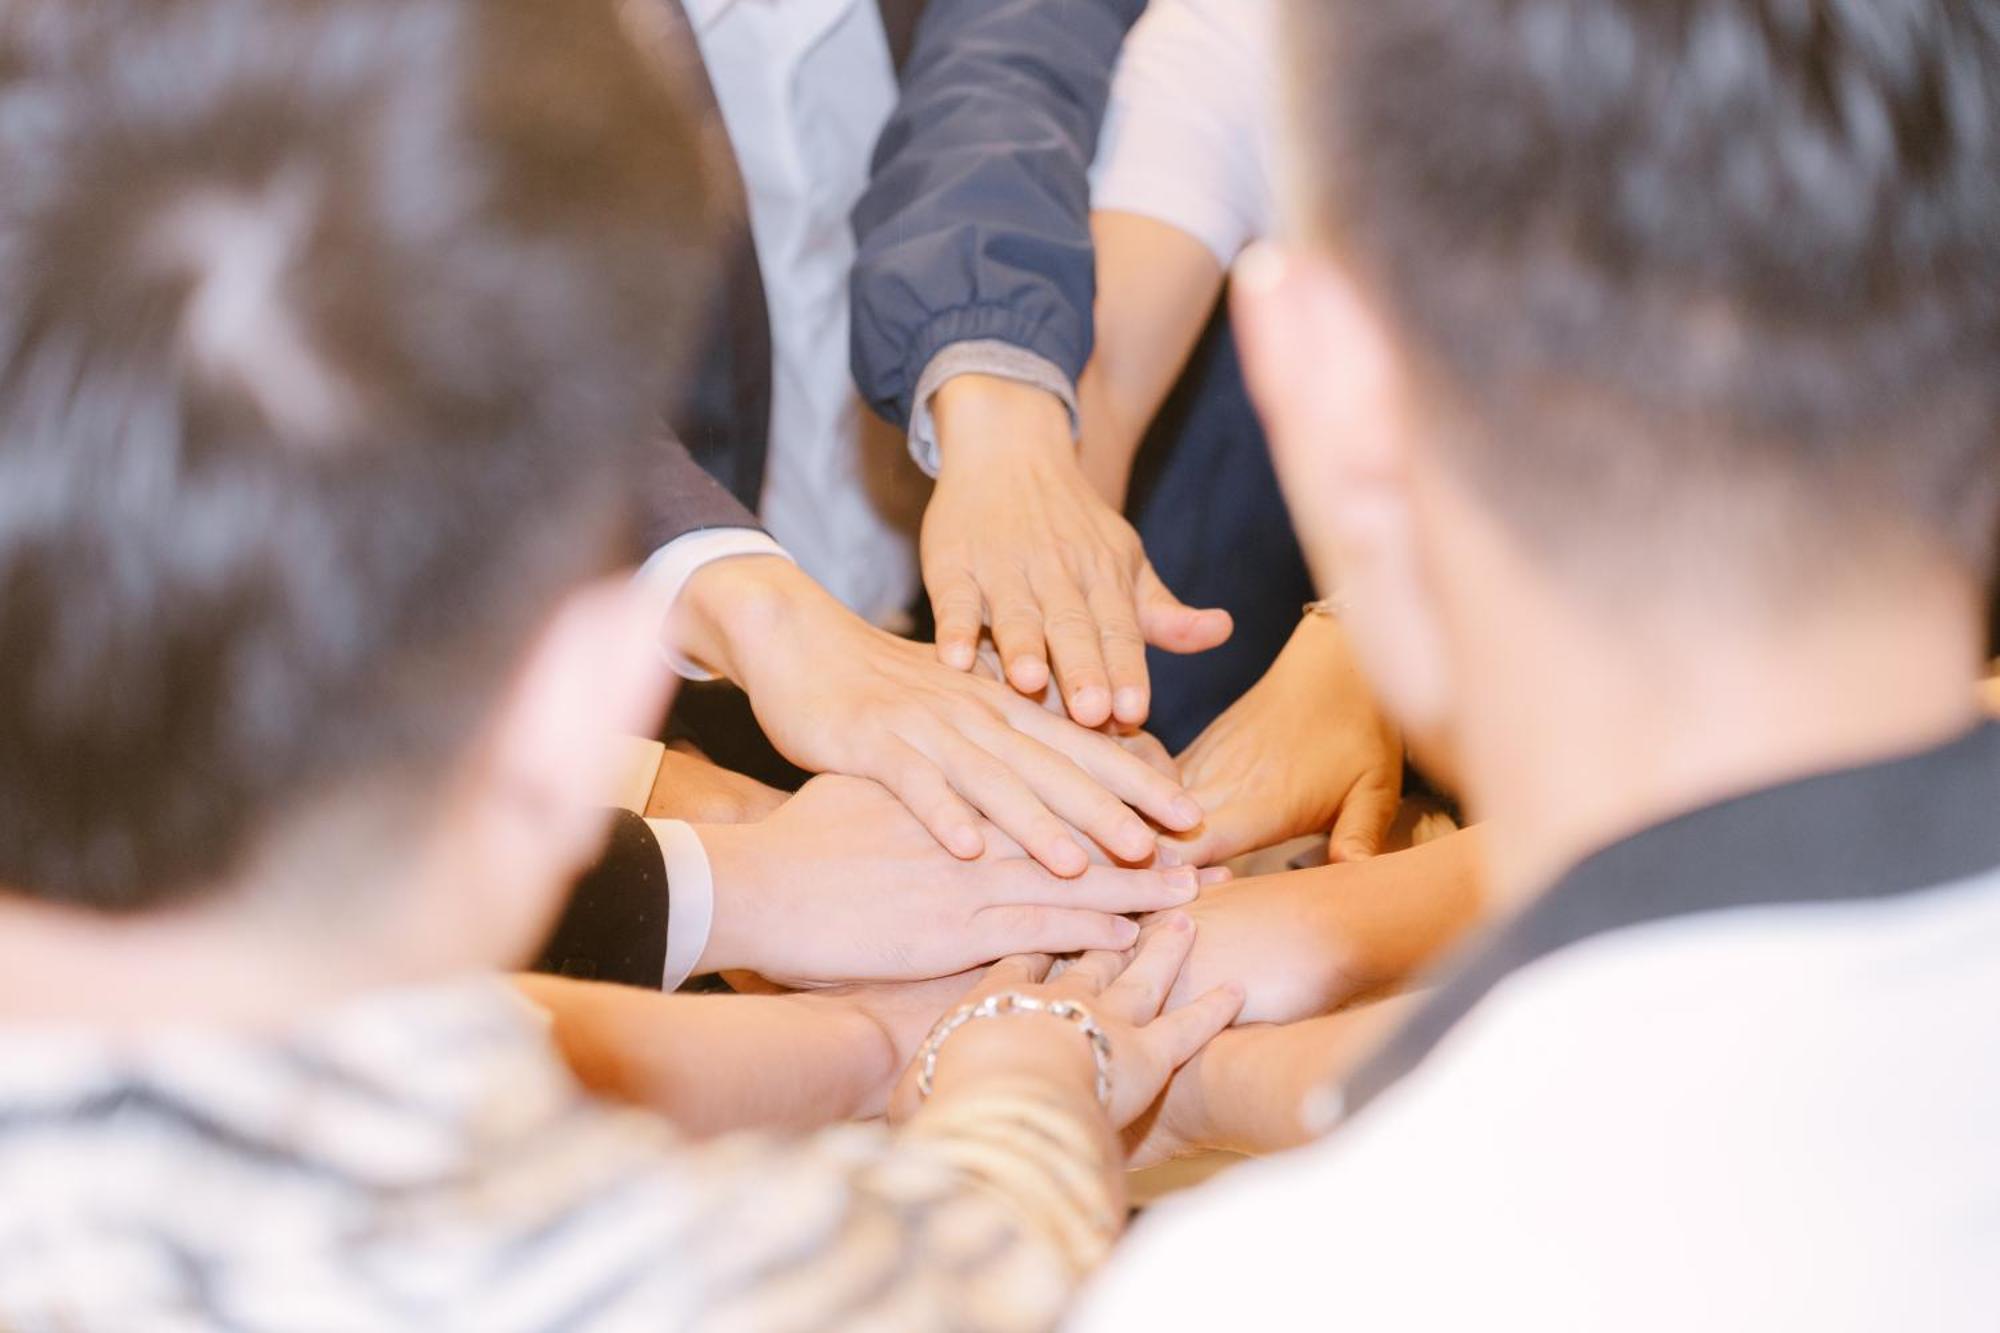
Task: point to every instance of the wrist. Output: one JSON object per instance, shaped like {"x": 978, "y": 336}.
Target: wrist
{"x": 1015, "y": 1048}
{"x": 865, "y": 1048}
{"x": 982, "y": 416}
{"x": 731, "y": 607}
{"x": 735, "y": 876}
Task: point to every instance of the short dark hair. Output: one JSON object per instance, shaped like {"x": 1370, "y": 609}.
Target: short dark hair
{"x": 330, "y": 332}
{"x": 1682, "y": 271}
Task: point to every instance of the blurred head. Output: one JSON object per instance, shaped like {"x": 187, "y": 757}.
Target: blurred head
{"x": 328, "y": 333}
{"x": 1680, "y": 315}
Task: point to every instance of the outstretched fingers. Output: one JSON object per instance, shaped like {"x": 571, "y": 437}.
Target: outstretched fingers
{"x": 1039, "y": 928}
{"x": 1164, "y": 947}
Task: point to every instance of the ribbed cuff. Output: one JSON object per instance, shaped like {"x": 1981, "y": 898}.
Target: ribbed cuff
{"x": 983, "y": 356}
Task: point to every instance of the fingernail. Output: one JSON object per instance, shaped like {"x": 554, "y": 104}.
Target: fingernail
{"x": 1130, "y": 705}
{"x": 1090, "y": 702}
{"x": 1071, "y": 860}
{"x": 1128, "y": 929}
{"x": 1236, "y": 991}
{"x": 966, "y": 842}
{"x": 1187, "y": 812}
{"x": 1136, "y": 843}
{"x": 1217, "y": 875}
{"x": 958, "y": 656}
{"x": 1028, "y": 674}
{"x": 1182, "y": 877}
{"x": 1169, "y": 855}
{"x": 1354, "y": 851}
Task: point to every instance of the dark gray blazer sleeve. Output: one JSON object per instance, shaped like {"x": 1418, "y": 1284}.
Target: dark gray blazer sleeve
{"x": 615, "y": 925}
{"x": 976, "y": 224}
{"x": 681, "y": 498}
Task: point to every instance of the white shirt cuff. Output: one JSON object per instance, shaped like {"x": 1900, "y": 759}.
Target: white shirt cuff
{"x": 690, "y": 899}
{"x": 635, "y": 767}
{"x": 668, "y": 571}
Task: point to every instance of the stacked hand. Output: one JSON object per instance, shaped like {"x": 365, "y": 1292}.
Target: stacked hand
{"x": 834, "y": 694}
{"x": 1016, "y": 538}
{"x": 1303, "y": 751}
{"x": 690, "y": 787}
{"x": 1124, "y": 992}
{"x": 843, "y": 884}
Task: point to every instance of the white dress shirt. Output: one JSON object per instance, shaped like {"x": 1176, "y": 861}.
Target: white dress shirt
{"x": 1740, "y": 1070}
{"x": 805, "y": 87}
{"x": 1746, "y": 1121}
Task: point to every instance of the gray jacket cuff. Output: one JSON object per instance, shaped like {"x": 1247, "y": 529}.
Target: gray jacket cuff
{"x": 985, "y": 356}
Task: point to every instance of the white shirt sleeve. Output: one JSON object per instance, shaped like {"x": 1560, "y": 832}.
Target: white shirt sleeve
{"x": 668, "y": 571}
{"x": 1188, "y": 133}
{"x": 691, "y": 898}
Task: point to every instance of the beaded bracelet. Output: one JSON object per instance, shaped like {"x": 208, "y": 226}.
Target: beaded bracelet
{"x": 1014, "y": 1002}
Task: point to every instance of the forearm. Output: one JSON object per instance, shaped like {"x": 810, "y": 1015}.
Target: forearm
{"x": 1389, "y": 917}
{"x": 716, "y": 1063}
{"x": 1260, "y": 1090}
{"x": 1156, "y": 287}
{"x": 1038, "y": 1118}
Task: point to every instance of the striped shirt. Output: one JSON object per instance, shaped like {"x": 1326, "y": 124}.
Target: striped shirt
{"x": 422, "y": 1160}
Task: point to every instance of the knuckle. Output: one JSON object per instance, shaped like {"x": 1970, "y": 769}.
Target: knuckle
{"x": 1016, "y": 617}
{"x": 1121, "y": 634}
{"x": 1072, "y": 621}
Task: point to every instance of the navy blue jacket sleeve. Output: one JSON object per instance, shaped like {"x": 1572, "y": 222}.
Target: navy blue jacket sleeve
{"x": 976, "y": 224}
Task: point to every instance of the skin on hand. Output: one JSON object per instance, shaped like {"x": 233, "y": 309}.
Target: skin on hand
{"x": 842, "y": 884}
{"x": 1157, "y": 286}
{"x": 1304, "y": 750}
{"x": 1260, "y": 1089}
{"x": 693, "y": 788}
{"x": 1125, "y": 992}
{"x": 837, "y": 695}
{"x": 1017, "y": 538}
{"x": 1307, "y": 941}
{"x": 722, "y": 1064}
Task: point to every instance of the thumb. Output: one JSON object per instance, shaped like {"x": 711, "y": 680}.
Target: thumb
{"x": 1364, "y": 820}
{"x": 1169, "y": 623}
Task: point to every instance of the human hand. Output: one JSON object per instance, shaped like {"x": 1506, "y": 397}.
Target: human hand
{"x": 1304, "y": 750}
{"x": 903, "y": 1013}
{"x": 691, "y": 787}
{"x": 1123, "y": 992}
{"x": 1283, "y": 938}
{"x": 842, "y": 884}
{"x": 835, "y": 694}
{"x": 1017, "y": 537}
{"x": 1306, "y": 941}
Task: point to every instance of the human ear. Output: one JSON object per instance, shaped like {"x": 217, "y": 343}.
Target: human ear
{"x": 1333, "y": 388}
{"x": 534, "y": 812}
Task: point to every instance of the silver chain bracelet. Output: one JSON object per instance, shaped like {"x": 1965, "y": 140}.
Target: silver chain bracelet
{"x": 1014, "y": 1002}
